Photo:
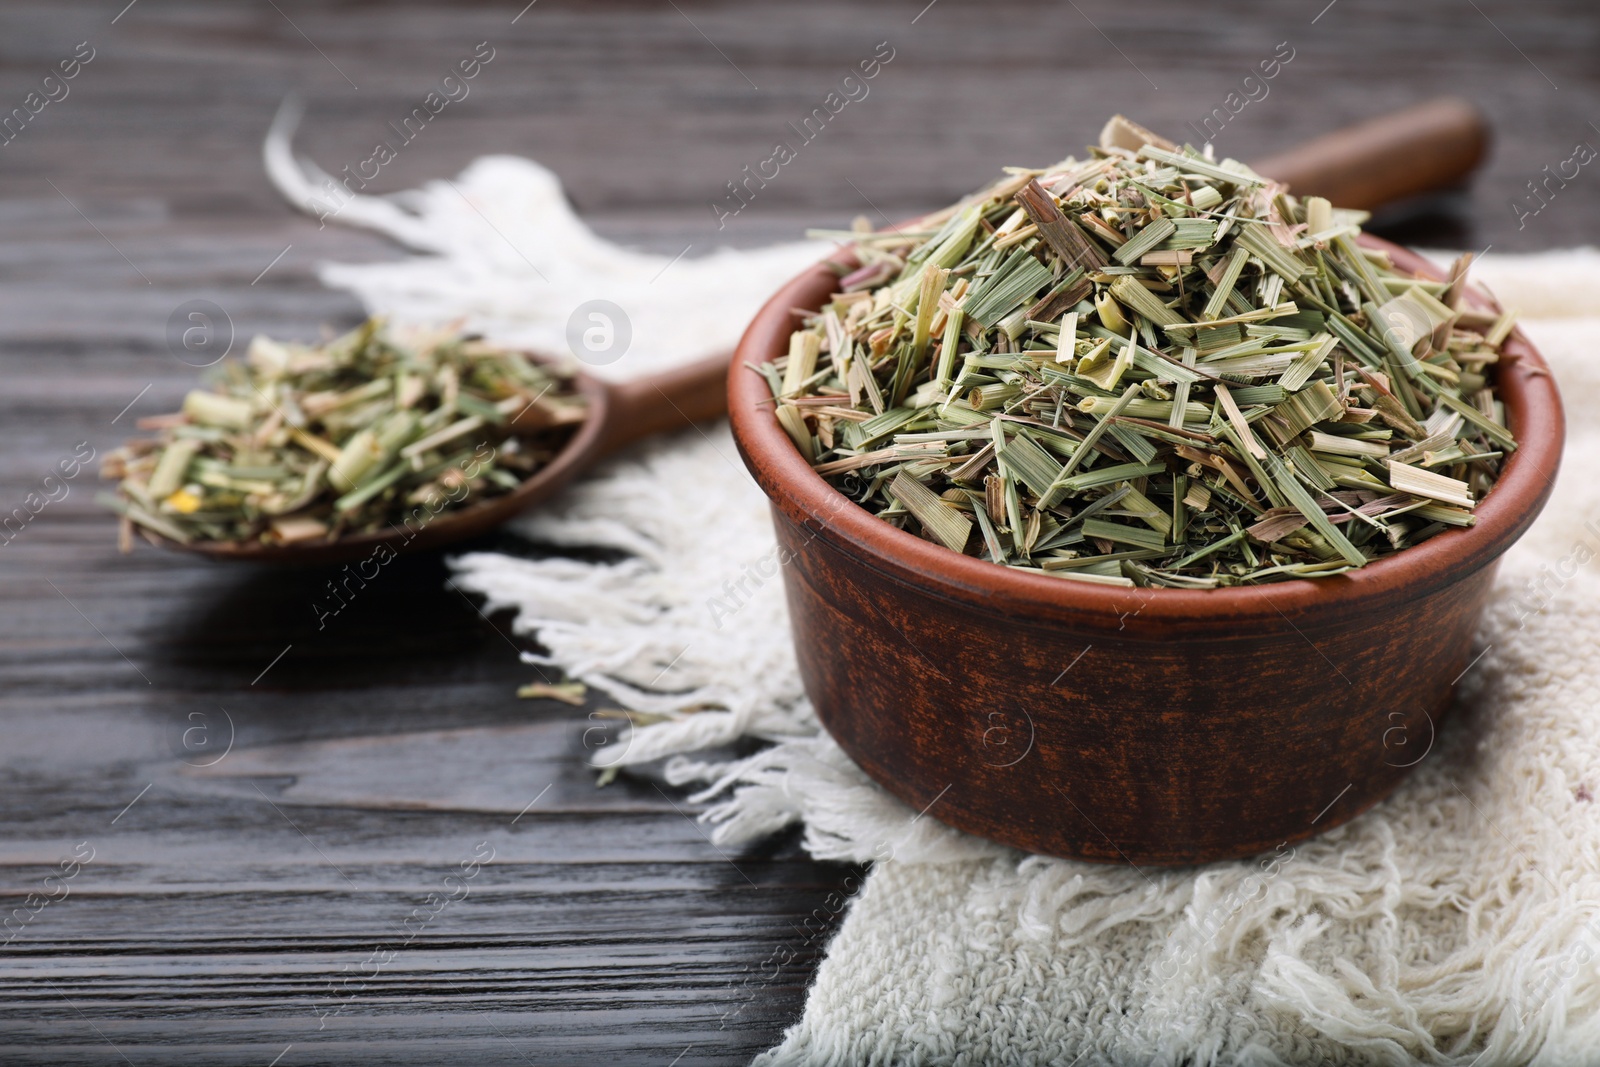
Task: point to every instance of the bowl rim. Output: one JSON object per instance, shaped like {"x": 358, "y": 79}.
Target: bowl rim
{"x": 1524, "y": 384}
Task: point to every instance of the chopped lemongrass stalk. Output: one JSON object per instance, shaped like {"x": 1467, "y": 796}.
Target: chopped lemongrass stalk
{"x": 1058, "y": 231}
{"x": 1215, "y": 546}
{"x": 804, "y": 347}
{"x": 1110, "y": 314}
{"x": 1290, "y": 487}
{"x": 1235, "y": 416}
{"x": 374, "y": 484}
{"x": 1276, "y": 311}
{"x": 1501, "y": 328}
{"x": 1006, "y": 289}
{"x": 1492, "y": 429}
{"x": 1094, "y": 364}
{"x": 1307, "y": 363}
{"x": 947, "y": 525}
{"x": 1180, "y": 393}
{"x": 933, "y": 283}
{"x": 449, "y": 433}
{"x": 1313, "y": 404}
{"x": 1130, "y": 294}
{"x": 323, "y": 403}
{"x": 291, "y": 530}
{"x": 1016, "y": 236}
{"x": 209, "y": 409}
{"x": 311, "y": 443}
{"x": 794, "y": 424}
{"x": 1093, "y": 579}
{"x": 1069, "y": 331}
{"x": 1107, "y": 374}
{"x": 1280, "y": 260}
{"x": 1031, "y": 463}
{"x": 172, "y": 467}
{"x": 358, "y": 455}
{"x": 567, "y": 692}
{"x": 948, "y": 345}
{"x": 1082, "y": 451}
{"x": 1447, "y": 515}
{"x": 1334, "y": 444}
{"x": 1196, "y": 165}
{"x": 1105, "y": 476}
{"x": 1144, "y": 509}
{"x": 1122, "y": 132}
{"x": 1127, "y": 535}
{"x": 1319, "y": 214}
{"x": 1148, "y": 238}
{"x": 150, "y": 521}
{"x": 1412, "y": 316}
{"x": 1232, "y": 268}
{"x": 1418, "y": 482}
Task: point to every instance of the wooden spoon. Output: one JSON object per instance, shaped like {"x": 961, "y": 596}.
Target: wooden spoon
{"x": 1420, "y": 149}
{"x": 1427, "y": 147}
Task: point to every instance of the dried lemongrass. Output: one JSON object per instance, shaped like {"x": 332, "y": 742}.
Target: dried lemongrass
{"x": 1150, "y": 367}
{"x": 947, "y": 525}
{"x": 300, "y": 444}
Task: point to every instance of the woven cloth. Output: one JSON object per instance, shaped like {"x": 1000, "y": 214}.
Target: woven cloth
{"x": 1456, "y": 923}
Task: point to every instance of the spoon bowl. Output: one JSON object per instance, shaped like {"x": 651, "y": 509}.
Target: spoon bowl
{"x": 619, "y": 413}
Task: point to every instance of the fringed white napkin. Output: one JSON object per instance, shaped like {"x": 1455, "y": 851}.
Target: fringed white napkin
{"x": 1457, "y": 923}
{"x": 499, "y": 247}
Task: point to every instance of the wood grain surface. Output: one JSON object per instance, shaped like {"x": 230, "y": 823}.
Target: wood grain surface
{"x": 230, "y": 907}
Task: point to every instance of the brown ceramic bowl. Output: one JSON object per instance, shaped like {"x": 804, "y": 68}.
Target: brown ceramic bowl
{"x": 1145, "y": 726}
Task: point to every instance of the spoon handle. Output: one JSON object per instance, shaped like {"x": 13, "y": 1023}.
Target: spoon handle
{"x": 1424, "y": 148}
{"x": 674, "y": 399}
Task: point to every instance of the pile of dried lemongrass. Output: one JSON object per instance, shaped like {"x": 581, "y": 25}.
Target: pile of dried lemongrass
{"x": 1149, "y": 368}
{"x": 310, "y": 444}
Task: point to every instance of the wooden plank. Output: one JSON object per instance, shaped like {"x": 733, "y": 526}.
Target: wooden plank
{"x": 221, "y": 904}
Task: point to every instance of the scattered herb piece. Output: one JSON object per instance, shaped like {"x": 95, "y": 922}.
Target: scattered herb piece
{"x": 567, "y": 692}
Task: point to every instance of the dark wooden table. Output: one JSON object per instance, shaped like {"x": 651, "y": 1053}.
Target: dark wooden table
{"x": 272, "y": 810}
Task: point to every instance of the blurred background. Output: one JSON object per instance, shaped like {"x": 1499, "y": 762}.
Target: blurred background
{"x": 209, "y": 924}
{"x": 646, "y": 110}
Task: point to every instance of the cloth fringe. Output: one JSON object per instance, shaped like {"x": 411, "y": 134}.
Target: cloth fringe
{"x": 500, "y": 249}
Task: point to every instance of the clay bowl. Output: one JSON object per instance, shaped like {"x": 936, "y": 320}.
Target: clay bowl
{"x": 1143, "y": 726}
{"x": 619, "y": 414}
